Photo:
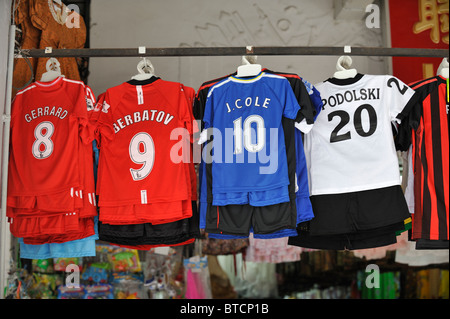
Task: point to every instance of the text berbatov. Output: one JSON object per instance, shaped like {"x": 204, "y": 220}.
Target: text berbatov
{"x": 142, "y": 116}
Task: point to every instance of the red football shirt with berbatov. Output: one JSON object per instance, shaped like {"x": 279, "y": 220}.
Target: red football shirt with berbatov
{"x": 137, "y": 164}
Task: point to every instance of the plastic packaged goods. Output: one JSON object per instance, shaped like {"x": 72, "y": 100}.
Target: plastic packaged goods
{"x": 197, "y": 278}
{"x": 161, "y": 270}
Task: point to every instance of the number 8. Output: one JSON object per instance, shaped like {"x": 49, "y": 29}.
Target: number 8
{"x": 42, "y": 133}
{"x": 146, "y": 157}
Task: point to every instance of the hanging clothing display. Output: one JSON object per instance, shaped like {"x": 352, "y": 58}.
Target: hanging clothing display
{"x": 354, "y": 127}
{"x": 289, "y": 172}
{"x": 45, "y": 24}
{"x": 147, "y": 198}
{"x": 407, "y": 252}
{"x": 29, "y": 39}
{"x": 84, "y": 247}
{"x": 124, "y": 112}
{"x": 309, "y": 100}
{"x": 294, "y": 150}
{"x": 352, "y": 165}
{"x": 236, "y": 183}
{"x": 258, "y": 93}
{"x": 57, "y": 32}
{"x": 425, "y": 133}
{"x": 51, "y": 197}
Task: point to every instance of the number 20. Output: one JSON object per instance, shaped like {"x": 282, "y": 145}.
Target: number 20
{"x": 145, "y": 157}
{"x": 357, "y": 122}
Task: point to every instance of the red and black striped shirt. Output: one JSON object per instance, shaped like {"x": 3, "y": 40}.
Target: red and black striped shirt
{"x": 428, "y": 121}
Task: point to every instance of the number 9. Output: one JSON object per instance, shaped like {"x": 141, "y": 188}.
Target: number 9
{"x": 145, "y": 157}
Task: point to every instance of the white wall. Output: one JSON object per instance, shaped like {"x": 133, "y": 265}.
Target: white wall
{"x": 205, "y": 23}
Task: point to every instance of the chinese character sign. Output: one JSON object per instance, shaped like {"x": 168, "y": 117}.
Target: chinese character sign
{"x": 433, "y": 17}
{"x": 418, "y": 24}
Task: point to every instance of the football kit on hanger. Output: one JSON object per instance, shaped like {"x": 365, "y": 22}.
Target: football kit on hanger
{"x": 50, "y": 178}
{"x": 241, "y": 107}
{"x": 425, "y": 128}
{"x": 353, "y": 167}
{"x": 134, "y": 137}
{"x": 351, "y": 146}
{"x": 50, "y": 117}
{"x": 303, "y": 90}
{"x": 255, "y": 204}
{"x": 139, "y": 124}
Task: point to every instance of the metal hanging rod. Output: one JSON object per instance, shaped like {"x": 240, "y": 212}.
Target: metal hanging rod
{"x": 233, "y": 51}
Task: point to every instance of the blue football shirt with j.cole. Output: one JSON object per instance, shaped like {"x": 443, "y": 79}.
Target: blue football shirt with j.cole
{"x": 244, "y": 118}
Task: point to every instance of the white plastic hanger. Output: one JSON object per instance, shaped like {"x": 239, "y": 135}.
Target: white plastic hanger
{"x": 248, "y": 67}
{"x": 145, "y": 69}
{"x": 53, "y": 70}
{"x": 443, "y": 68}
{"x": 343, "y": 70}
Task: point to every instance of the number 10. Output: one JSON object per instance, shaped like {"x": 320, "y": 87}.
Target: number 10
{"x": 243, "y": 137}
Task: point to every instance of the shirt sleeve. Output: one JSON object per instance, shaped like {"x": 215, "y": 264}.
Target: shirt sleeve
{"x": 76, "y": 94}
{"x": 88, "y": 132}
{"x": 409, "y": 119}
{"x": 315, "y": 97}
{"x": 208, "y": 112}
{"x": 307, "y": 110}
{"x": 398, "y": 96}
{"x": 104, "y": 127}
{"x": 190, "y": 94}
{"x": 288, "y": 98}
{"x": 199, "y": 103}
{"x": 207, "y": 119}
